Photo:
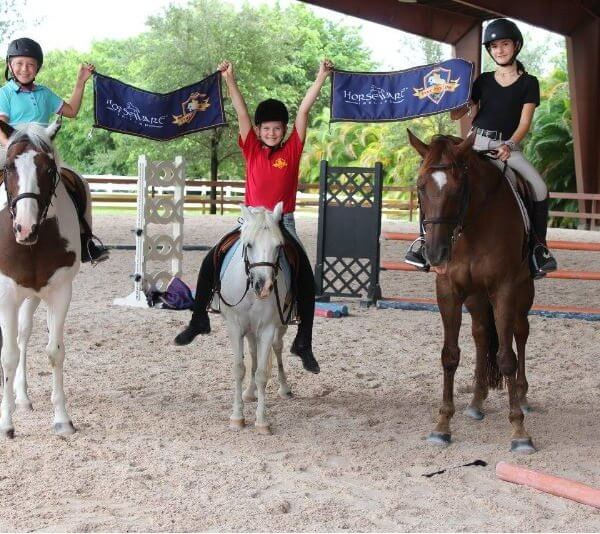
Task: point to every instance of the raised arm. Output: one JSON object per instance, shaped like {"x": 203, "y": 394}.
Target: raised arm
{"x": 309, "y": 99}
{"x": 239, "y": 104}
{"x": 71, "y": 108}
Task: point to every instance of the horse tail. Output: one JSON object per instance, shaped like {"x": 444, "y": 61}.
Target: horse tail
{"x": 493, "y": 374}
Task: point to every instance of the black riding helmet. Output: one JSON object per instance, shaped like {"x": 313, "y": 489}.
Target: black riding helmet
{"x": 24, "y": 47}
{"x": 503, "y": 29}
{"x": 271, "y": 110}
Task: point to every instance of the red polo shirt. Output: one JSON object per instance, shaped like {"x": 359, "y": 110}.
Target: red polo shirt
{"x": 272, "y": 175}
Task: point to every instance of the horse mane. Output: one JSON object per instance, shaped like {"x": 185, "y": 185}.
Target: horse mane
{"x": 261, "y": 220}
{"x": 439, "y": 147}
{"x": 36, "y": 135}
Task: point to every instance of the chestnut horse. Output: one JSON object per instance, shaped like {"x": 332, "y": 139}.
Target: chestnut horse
{"x": 40, "y": 252}
{"x": 475, "y": 240}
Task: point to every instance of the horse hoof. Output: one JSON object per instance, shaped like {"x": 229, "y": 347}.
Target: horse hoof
{"x": 265, "y": 430}
{"x": 248, "y": 397}
{"x": 522, "y": 446}
{"x": 286, "y": 394}
{"x": 439, "y": 438}
{"x": 526, "y": 408}
{"x": 64, "y": 429}
{"x": 25, "y": 406}
{"x": 474, "y": 413}
{"x": 8, "y": 434}
{"x": 237, "y": 424}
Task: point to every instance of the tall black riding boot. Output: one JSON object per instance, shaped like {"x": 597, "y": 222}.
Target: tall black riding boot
{"x": 542, "y": 259}
{"x": 305, "y": 298}
{"x": 200, "y": 322}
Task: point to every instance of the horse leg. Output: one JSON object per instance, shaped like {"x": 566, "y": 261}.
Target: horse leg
{"x": 10, "y": 360}
{"x": 236, "y": 420}
{"x": 264, "y": 345}
{"x": 249, "y": 394}
{"x": 58, "y": 302}
{"x": 451, "y": 310}
{"x": 26, "y": 312}
{"x": 479, "y": 308}
{"x": 521, "y": 336}
{"x": 284, "y": 389}
{"x": 504, "y": 314}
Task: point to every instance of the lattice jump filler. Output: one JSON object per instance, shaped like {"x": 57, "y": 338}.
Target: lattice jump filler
{"x": 349, "y": 227}
{"x": 153, "y": 211}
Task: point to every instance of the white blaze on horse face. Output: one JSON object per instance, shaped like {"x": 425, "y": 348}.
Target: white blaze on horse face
{"x": 27, "y": 208}
{"x": 440, "y": 178}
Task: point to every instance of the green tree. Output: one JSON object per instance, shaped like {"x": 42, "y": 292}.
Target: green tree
{"x": 364, "y": 144}
{"x": 11, "y": 18}
{"x": 550, "y": 144}
{"x": 184, "y": 44}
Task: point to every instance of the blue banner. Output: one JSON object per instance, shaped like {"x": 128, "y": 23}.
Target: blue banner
{"x": 395, "y": 96}
{"x": 122, "y": 108}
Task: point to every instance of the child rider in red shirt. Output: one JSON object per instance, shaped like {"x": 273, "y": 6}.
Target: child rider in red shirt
{"x": 272, "y": 167}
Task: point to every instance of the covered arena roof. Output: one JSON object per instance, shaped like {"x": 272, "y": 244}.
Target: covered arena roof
{"x": 459, "y": 23}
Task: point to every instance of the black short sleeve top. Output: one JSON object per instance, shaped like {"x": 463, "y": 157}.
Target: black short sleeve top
{"x": 500, "y": 107}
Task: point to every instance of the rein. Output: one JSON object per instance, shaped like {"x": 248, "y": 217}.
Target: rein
{"x": 465, "y": 194}
{"x": 248, "y": 268}
{"x": 43, "y": 207}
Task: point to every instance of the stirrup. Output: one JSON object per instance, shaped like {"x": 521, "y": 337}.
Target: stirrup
{"x": 420, "y": 265}
{"x": 104, "y": 251}
{"x": 538, "y": 271}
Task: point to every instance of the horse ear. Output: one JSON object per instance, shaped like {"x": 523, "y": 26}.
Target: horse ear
{"x": 417, "y": 144}
{"x": 52, "y": 129}
{"x": 466, "y": 145}
{"x": 278, "y": 211}
{"x": 6, "y": 128}
{"x": 246, "y": 214}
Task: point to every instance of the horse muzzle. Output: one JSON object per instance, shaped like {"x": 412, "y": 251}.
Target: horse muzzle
{"x": 26, "y": 236}
{"x": 263, "y": 288}
{"x": 439, "y": 253}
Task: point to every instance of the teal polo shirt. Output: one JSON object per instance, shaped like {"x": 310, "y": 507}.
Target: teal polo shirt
{"x": 28, "y": 106}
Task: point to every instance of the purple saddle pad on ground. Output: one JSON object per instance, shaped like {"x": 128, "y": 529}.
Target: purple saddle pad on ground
{"x": 177, "y": 296}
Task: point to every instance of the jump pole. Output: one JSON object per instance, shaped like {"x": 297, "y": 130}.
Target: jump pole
{"x": 552, "y": 312}
{"x": 556, "y": 245}
{"x": 554, "y": 485}
{"x": 561, "y": 275}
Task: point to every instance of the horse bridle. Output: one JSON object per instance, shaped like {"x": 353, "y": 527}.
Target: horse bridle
{"x": 248, "y": 269}
{"x": 43, "y": 207}
{"x": 457, "y": 221}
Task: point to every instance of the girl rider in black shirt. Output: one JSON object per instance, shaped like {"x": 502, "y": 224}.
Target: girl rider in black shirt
{"x": 504, "y": 101}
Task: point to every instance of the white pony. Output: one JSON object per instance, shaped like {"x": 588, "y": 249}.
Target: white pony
{"x": 255, "y": 301}
{"x": 40, "y": 254}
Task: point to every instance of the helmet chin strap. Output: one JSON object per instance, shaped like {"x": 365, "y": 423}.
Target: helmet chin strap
{"x": 511, "y": 60}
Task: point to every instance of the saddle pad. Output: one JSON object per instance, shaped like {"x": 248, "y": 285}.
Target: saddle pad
{"x": 512, "y": 177}
{"x": 74, "y": 185}
{"x": 521, "y": 204}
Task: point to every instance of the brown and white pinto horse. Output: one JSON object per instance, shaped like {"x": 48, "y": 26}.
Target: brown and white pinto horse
{"x": 475, "y": 241}
{"x": 40, "y": 252}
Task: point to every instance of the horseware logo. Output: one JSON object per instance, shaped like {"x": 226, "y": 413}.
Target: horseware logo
{"x": 280, "y": 163}
{"x": 196, "y": 102}
{"x": 435, "y": 84}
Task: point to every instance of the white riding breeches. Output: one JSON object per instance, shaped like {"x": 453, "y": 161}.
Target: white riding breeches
{"x": 517, "y": 162}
